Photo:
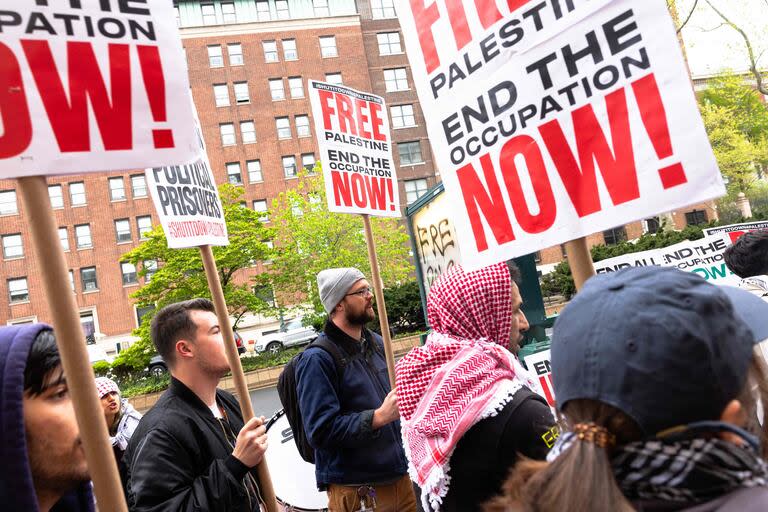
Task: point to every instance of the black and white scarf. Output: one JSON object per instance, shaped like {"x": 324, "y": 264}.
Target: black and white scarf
{"x": 684, "y": 470}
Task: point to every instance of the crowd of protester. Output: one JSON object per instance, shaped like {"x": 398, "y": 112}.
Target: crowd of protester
{"x": 659, "y": 379}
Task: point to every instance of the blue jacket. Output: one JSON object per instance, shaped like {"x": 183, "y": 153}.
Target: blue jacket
{"x": 338, "y": 412}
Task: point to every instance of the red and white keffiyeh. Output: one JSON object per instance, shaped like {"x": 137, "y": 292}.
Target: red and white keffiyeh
{"x": 461, "y": 375}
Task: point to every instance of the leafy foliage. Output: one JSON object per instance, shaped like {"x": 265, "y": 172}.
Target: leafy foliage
{"x": 180, "y": 274}
{"x": 404, "y": 309}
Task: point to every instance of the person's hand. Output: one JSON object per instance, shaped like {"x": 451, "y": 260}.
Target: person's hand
{"x": 251, "y": 442}
{"x": 387, "y": 411}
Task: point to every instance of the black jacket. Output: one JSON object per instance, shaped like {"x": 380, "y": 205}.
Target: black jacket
{"x": 486, "y": 453}
{"x": 180, "y": 459}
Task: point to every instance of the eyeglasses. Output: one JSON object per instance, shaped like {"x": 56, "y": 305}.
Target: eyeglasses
{"x": 363, "y": 292}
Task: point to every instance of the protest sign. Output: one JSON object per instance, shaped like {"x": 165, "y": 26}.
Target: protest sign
{"x": 736, "y": 230}
{"x": 703, "y": 257}
{"x": 553, "y": 120}
{"x": 539, "y": 365}
{"x": 352, "y": 130}
{"x": 90, "y": 86}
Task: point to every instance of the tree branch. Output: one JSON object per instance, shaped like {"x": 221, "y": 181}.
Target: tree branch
{"x": 695, "y": 3}
{"x": 752, "y": 61}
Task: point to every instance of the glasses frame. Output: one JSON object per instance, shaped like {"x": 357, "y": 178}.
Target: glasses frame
{"x": 363, "y": 292}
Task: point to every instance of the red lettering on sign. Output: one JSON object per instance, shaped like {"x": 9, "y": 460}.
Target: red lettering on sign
{"x": 154, "y": 84}
{"x": 325, "y": 105}
{"x": 617, "y": 167}
{"x": 377, "y": 121}
{"x": 14, "y": 112}
{"x": 68, "y": 110}
{"x": 546, "y": 386}
{"x": 346, "y": 112}
{"x": 362, "y": 119}
{"x": 361, "y": 190}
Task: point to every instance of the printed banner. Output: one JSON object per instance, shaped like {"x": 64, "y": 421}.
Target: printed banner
{"x": 92, "y": 85}
{"x": 352, "y": 130}
{"x": 538, "y": 364}
{"x": 704, "y": 257}
{"x": 554, "y": 120}
{"x": 736, "y": 230}
{"x": 187, "y": 201}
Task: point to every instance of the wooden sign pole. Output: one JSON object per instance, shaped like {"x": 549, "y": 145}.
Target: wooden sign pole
{"x": 381, "y": 307}
{"x": 71, "y": 342}
{"x": 214, "y": 284}
{"x": 580, "y": 261}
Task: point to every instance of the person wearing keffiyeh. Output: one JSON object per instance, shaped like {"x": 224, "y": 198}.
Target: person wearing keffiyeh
{"x": 466, "y": 404}
{"x": 122, "y": 419}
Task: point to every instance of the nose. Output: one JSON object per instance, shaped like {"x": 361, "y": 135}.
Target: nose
{"x": 523, "y": 322}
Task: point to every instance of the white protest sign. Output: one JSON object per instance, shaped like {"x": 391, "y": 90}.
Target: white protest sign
{"x": 436, "y": 241}
{"x": 736, "y": 230}
{"x": 539, "y": 365}
{"x": 92, "y": 85}
{"x": 553, "y": 120}
{"x": 352, "y": 130}
{"x": 703, "y": 257}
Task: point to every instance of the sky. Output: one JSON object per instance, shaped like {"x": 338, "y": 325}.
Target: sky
{"x": 713, "y": 47}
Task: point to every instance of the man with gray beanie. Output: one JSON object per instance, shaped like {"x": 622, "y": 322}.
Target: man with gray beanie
{"x": 350, "y": 413}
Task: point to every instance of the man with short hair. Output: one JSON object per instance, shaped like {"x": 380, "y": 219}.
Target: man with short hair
{"x": 350, "y": 414}
{"x": 43, "y": 463}
{"x": 191, "y": 451}
{"x": 748, "y": 259}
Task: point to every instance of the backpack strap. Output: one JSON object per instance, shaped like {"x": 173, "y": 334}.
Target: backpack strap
{"x": 332, "y": 348}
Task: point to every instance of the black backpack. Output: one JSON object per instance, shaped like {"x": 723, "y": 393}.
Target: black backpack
{"x": 286, "y": 388}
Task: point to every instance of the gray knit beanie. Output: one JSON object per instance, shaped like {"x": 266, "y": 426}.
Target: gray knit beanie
{"x": 334, "y": 283}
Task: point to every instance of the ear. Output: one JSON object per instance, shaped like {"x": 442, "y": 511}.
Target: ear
{"x": 184, "y": 349}
{"x": 734, "y": 414}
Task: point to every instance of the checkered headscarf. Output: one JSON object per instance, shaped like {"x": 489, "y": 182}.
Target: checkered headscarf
{"x": 461, "y": 375}
{"x": 105, "y": 385}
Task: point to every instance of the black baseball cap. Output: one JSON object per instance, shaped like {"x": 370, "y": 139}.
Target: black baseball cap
{"x": 661, "y": 345}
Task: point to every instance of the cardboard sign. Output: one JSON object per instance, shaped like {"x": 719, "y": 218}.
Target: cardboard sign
{"x": 703, "y": 257}
{"x": 187, "y": 201}
{"x": 538, "y": 364}
{"x": 352, "y": 130}
{"x": 91, "y": 85}
{"x": 736, "y": 230}
{"x": 554, "y": 120}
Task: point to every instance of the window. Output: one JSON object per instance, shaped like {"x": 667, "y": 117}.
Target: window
{"x": 289, "y": 166}
{"x": 18, "y": 290}
{"x": 144, "y": 224}
{"x": 333, "y": 78}
{"x": 615, "y": 235}
{"x": 320, "y": 8}
{"x": 142, "y": 311}
{"x": 88, "y": 279}
{"x": 77, "y": 193}
{"x": 262, "y": 11}
{"x": 308, "y": 161}
{"x": 139, "y": 185}
{"x": 395, "y": 80}
{"x": 12, "y": 247}
{"x": 289, "y": 49}
{"x": 410, "y": 153}
{"x": 129, "y": 273}
{"x": 276, "y": 89}
{"x": 241, "y": 92}
{"x": 233, "y": 173}
{"x": 64, "y": 238}
{"x": 227, "y": 132}
{"x": 228, "y": 12}
{"x": 537, "y": 257}
{"x": 215, "y": 58}
{"x": 116, "y": 189}
{"x": 123, "y": 230}
{"x": 281, "y": 7}
{"x": 150, "y": 266}
{"x": 296, "y": 85}
{"x": 260, "y": 205}
{"x": 328, "y": 46}
{"x": 254, "y": 171}
{"x": 247, "y": 132}
{"x": 283, "y": 125}
{"x": 383, "y": 9}
{"x": 8, "y": 202}
{"x": 83, "y": 236}
{"x": 88, "y": 322}
{"x": 209, "y": 14}
{"x": 221, "y": 95}
{"x": 414, "y": 189}
{"x": 302, "y": 126}
{"x": 56, "y": 196}
{"x": 389, "y": 43}
{"x": 72, "y": 280}
{"x": 652, "y": 225}
{"x": 270, "y": 51}
{"x": 402, "y": 116}
{"x": 265, "y": 293}
{"x": 695, "y": 217}
{"x": 235, "y": 51}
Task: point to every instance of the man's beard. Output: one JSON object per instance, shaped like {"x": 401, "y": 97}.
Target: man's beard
{"x": 218, "y": 372}
{"x": 361, "y": 318}
{"x": 52, "y": 472}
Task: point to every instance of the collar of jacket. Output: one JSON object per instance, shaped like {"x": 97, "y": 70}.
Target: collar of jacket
{"x": 347, "y": 342}
{"x": 179, "y": 389}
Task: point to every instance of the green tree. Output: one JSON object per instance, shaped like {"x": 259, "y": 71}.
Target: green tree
{"x": 180, "y": 274}
{"x": 309, "y": 239}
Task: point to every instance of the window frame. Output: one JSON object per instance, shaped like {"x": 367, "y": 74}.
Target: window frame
{"x": 123, "y": 274}
{"x": 60, "y": 196}
{"x": 83, "y": 286}
{"x": 291, "y": 86}
{"x": 285, "y": 50}
{"x": 416, "y": 189}
{"x": 277, "y": 94}
{"x": 235, "y": 59}
{"x": 251, "y": 139}
{"x": 275, "y": 52}
{"x": 134, "y": 188}
{"x": 402, "y": 116}
{"x": 328, "y": 51}
{"x": 396, "y": 80}
{"x": 241, "y": 84}
{"x": 214, "y": 60}
{"x": 231, "y": 165}
{"x": 118, "y": 231}
{"x": 283, "y": 160}
{"x": 116, "y": 179}
{"x": 251, "y": 172}
{"x": 72, "y": 194}
{"x": 139, "y": 219}
{"x": 281, "y": 130}
{"x": 10, "y": 292}
{"x": 409, "y": 144}
{"x": 388, "y": 43}
{"x": 89, "y": 237}
{"x": 304, "y": 129}
{"x": 19, "y": 246}
{"x": 223, "y": 135}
